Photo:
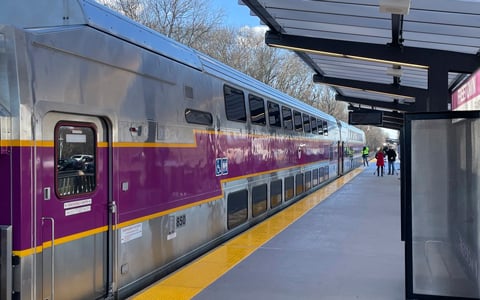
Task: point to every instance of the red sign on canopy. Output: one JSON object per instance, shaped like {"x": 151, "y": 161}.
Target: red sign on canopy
{"x": 467, "y": 96}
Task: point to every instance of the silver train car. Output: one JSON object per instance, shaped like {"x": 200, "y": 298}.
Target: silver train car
{"x": 124, "y": 154}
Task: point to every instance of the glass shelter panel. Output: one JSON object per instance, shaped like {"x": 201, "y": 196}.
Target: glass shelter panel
{"x": 443, "y": 207}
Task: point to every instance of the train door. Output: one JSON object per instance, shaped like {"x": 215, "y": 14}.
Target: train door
{"x": 340, "y": 146}
{"x": 75, "y": 227}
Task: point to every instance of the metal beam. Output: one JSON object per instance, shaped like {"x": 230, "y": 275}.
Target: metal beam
{"x": 393, "y": 115}
{"x": 438, "y": 96}
{"x": 452, "y": 61}
{"x": 418, "y": 94}
{"x": 391, "y": 125}
{"x": 309, "y": 61}
{"x": 397, "y": 26}
{"x": 412, "y": 107}
{"x": 392, "y": 119}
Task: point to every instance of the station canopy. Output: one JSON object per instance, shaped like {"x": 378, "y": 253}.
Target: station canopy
{"x": 391, "y": 55}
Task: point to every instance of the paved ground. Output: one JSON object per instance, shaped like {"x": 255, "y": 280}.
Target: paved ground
{"x": 346, "y": 247}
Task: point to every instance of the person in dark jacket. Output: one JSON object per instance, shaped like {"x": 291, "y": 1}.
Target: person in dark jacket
{"x": 391, "y": 157}
{"x": 380, "y": 161}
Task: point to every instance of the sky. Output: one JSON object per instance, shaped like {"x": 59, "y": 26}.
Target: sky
{"x": 236, "y": 15}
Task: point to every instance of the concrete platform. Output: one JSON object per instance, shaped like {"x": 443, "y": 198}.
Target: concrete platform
{"x": 347, "y": 247}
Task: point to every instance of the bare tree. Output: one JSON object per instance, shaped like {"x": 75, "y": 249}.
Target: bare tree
{"x": 219, "y": 44}
{"x": 375, "y": 136}
{"x": 244, "y": 49}
{"x": 294, "y": 77}
{"x": 186, "y": 21}
{"x": 133, "y": 9}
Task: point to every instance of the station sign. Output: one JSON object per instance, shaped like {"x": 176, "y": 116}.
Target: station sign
{"x": 467, "y": 96}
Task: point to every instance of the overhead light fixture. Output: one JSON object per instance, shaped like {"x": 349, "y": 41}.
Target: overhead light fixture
{"x": 397, "y": 72}
{"x": 396, "y": 7}
{"x": 348, "y": 56}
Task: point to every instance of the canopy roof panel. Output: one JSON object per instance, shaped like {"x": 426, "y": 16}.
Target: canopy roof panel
{"x": 380, "y": 58}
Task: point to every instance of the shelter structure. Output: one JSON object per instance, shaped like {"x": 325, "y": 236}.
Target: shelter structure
{"x": 395, "y": 56}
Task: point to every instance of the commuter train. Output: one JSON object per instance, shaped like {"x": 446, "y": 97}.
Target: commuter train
{"x": 125, "y": 154}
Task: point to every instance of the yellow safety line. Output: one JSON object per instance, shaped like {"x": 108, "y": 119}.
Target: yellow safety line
{"x": 192, "y": 279}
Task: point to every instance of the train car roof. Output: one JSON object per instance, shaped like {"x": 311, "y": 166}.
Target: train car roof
{"x": 35, "y": 15}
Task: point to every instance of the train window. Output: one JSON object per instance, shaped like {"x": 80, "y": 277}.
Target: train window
{"x": 234, "y": 104}
{"x": 326, "y": 173}
{"x": 322, "y": 174}
{"x": 325, "y": 128}
{"x": 237, "y": 212}
{"x": 308, "y": 180}
{"x": 287, "y": 118}
{"x": 320, "y": 126}
{"x": 257, "y": 110}
{"x": 275, "y": 193}
{"x": 299, "y": 184}
{"x": 75, "y": 152}
{"x": 315, "y": 177}
{"x": 297, "y": 121}
{"x": 198, "y": 117}
{"x": 306, "y": 123}
{"x": 274, "y": 114}
{"x": 289, "y": 193}
{"x": 259, "y": 200}
{"x": 314, "y": 125}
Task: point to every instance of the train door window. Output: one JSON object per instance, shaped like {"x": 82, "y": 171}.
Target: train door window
{"x": 198, "y": 117}
{"x": 315, "y": 177}
{"x": 257, "y": 110}
{"x": 325, "y": 128}
{"x": 287, "y": 118}
{"x": 234, "y": 104}
{"x": 313, "y": 122}
{"x": 274, "y": 114}
{"x": 289, "y": 192}
{"x": 275, "y": 193}
{"x": 237, "y": 211}
{"x": 308, "y": 180}
{"x": 326, "y": 173}
{"x": 322, "y": 174}
{"x": 299, "y": 184}
{"x": 259, "y": 200}
{"x": 75, "y": 156}
{"x": 320, "y": 126}
{"x": 297, "y": 121}
{"x": 306, "y": 123}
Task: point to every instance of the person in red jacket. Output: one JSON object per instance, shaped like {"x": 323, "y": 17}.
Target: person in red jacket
{"x": 380, "y": 161}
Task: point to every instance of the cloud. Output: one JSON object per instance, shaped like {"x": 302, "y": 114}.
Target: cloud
{"x": 261, "y": 29}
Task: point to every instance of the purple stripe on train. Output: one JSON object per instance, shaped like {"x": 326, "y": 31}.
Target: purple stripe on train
{"x": 164, "y": 178}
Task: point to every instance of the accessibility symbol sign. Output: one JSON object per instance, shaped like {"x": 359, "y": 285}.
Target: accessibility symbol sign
{"x": 221, "y": 166}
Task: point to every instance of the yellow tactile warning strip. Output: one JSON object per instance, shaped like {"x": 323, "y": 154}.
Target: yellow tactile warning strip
{"x": 193, "y": 278}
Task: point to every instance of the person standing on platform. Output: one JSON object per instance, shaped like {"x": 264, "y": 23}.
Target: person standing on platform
{"x": 380, "y": 161}
{"x": 365, "y": 151}
{"x": 391, "y": 157}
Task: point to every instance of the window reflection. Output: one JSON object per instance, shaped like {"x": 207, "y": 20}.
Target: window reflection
{"x": 75, "y": 152}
